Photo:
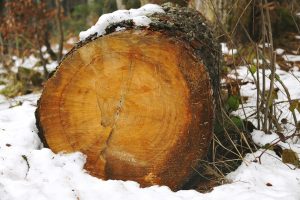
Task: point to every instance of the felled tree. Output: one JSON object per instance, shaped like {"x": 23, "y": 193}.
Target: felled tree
{"x": 138, "y": 102}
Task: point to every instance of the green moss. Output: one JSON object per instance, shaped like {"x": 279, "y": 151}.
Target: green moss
{"x": 290, "y": 157}
{"x": 12, "y": 90}
{"x": 2, "y": 82}
{"x": 24, "y": 82}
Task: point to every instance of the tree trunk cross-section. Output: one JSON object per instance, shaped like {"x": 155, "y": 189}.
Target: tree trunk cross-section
{"x": 138, "y": 103}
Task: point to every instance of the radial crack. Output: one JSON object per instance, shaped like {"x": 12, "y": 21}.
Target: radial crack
{"x": 123, "y": 95}
{"x": 109, "y": 129}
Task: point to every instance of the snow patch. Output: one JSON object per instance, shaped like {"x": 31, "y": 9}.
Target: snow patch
{"x": 72, "y": 40}
{"x": 261, "y": 139}
{"x": 226, "y": 50}
{"x": 279, "y": 51}
{"x": 52, "y": 66}
{"x": 265, "y": 178}
{"x": 139, "y": 17}
{"x": 292, "y": 58}
{"x": 267, "y": 45}
{"x": 29, "y": 62}
{"x": 289, "y": 78}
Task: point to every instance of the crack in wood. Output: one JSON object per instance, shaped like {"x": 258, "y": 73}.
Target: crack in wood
{"x": 109, "y": 129}
{"x": 123, "y": 95}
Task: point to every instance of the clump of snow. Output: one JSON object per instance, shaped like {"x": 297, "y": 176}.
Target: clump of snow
{"x": 52, "y": 66}
{"x": 44, "y": 49}
{"x": 261, "y": 61}
{"x": 279, "y": 51}
{"x": 72, "y": 40}
{"x": 261, "y": 138}
{"x": 226, "y": 50}
{"x": 297, "y": 37}
{"x": 29, "y": 62}
{"x": 139, "y": 17}
{"x": 267, "y": 45}
{"x": 292, "y": 58}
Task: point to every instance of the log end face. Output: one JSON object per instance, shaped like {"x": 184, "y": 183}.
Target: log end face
{"x": 137, "y": 103}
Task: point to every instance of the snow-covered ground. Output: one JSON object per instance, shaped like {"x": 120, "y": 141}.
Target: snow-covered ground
{"x": 290, "y": 79}
{"x": 31, "y": 62}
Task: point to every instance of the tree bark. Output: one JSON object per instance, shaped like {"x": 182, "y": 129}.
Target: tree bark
{"x": 213, "y": 10}
{"x": 238, "y": 17}
{"x": 139, "y": 102}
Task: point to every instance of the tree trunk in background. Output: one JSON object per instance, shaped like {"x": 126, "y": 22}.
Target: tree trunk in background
{"x": 137, "y": 102}
{"x": 143, "y": 2}
{"x": 59, "y": 29}
{"x": 238, "y": 16}
{"x": 159, "y": 2}
{"x": 109, "y": 6}
{"x": 211, "y": 9}
{"x": 219, "y": 11}
{"x": 225, "y": 15}
{"x": 93, "y": 15}
{"x": 69, "y": 5}
{"x": 120, "y": 5}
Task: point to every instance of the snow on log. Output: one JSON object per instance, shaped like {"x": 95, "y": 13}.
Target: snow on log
{"x": 137, "y": 101}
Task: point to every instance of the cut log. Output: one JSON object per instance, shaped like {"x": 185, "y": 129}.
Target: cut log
{"x": 138, "y": 102}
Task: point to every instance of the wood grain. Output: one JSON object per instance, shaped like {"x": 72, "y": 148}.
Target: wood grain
{"x": 138, "y": 103}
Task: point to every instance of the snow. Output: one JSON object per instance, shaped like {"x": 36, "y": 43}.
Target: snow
{"x": 279, "y": 51}
{"x": 267, "y": 45}
{"x": 72, "y": 41}
{"x": 139, "y": 17}
{"x": 226, "y": 50}
{"x": 30, "y": 172}
{"x": 291, "y": 58}
{"x": 32, "y": 62}
{"x": 297, "y": 37}
{"x": 261, "y": 139}
{"x": 291, "y": 79}
{"x": 51, "y": 66}
{"x": 270, "y": 179}
{"x": 29, "y": 63}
